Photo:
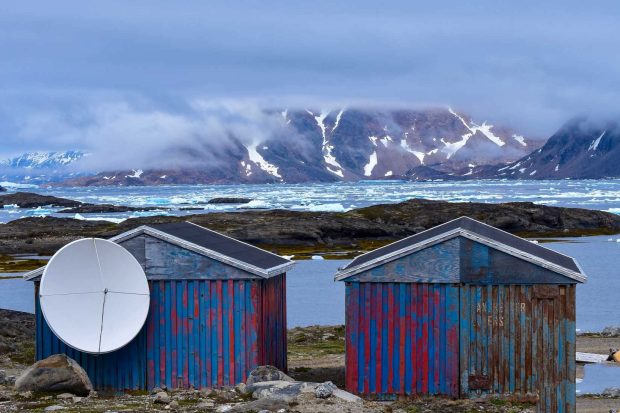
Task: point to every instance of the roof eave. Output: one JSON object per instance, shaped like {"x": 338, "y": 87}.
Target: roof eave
{"x": 145, "y": 229}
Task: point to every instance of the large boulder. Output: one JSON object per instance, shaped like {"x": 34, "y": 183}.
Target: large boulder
{"x": 266, "y": 373}
{"x": 57, "y": 373}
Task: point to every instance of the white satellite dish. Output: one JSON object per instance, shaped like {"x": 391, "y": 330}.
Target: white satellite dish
{"x": 94, "y": 295}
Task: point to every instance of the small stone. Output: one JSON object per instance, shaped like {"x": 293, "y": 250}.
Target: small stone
{"x": 206, "y": 404}
{"x": 54, "y": 408}
{"x": 324, "y": 390}
{"x": 223, "y": 408}
{"x": 93, "y": 395}
{"x": 282, "y": 411}
{"x": 65, "y": 396}
{"x": 266, "y": 373}
{"x": 174, "y": 404}
{"x": 77, "y": 399}
{"x": 25, "y": 394}
{"x": 241, "y": 388}
{"x": 156, "y": 390}
{"x": 46, "y": 398}
{"x": 162, "y": 398}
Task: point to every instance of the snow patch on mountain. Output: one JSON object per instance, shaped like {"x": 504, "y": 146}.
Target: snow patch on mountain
{"x": 450, "y": 148}
{"x": 258, "y": 159}
{"x": 136, "y": 173}
{"x": 596, "y": 142}
{"x": 326, "y": 147}
{"x": 520, "y": 139}
{"x": 418, "y": 154}
{"x": 485, "y": 129}
{"x": 372, "y": 162}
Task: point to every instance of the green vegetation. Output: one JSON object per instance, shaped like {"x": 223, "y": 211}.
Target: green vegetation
{"x": 10, "y": 263}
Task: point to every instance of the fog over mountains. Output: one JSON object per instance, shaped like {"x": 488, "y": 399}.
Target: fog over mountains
{"x": 347, "y": 144}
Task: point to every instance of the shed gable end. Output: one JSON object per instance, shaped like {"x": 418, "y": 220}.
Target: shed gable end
{"x": 439, "y": 263}
{"x": 162, "y": 260}
{"x": 482, "y": 264}
{"x": 460, "y": 260}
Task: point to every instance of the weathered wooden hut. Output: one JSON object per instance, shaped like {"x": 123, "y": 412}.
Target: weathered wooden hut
{"x": 217, "y": 310}
{"x": 463, "y": 310}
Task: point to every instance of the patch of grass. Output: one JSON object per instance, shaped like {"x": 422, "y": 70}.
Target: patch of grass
{"x": 25, "y": 353}
{"x": 9, "y": 263}
{"x": 318, "y": 348}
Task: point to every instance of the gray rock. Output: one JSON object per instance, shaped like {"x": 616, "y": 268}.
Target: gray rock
{"x": 54, "y": 408}
{"x": 57, "y": 373}
{"x": 223, "y": 408}
{"x": 346, "y": 396}
{"x": 266, "y": 373}
{"x": 162, "y": 398}
{"x": 65, "y": 396}
{"x": 324, "y": 390}
{"x": 25, "y": 394}
{"x": 611, "y": 331}
{"x": 93, "y": 395}
{"x": 206, "y": 404}
{"x": 156, "y": 390}
{"x": 611, "y": 392}
{"x": 174, "y": 404}
{"x": 241, "y": 388}
{"x": 280, "y": 390}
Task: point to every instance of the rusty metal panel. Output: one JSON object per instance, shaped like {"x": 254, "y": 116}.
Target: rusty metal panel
{"x": 402, "y": 339}
{"x": 519, "y": 340}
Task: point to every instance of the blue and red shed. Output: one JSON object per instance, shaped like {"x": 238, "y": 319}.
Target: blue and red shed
{"x": 462, "y": 310}
{"x": 217, "y": 310}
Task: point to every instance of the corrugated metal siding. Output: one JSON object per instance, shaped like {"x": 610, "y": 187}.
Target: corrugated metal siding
{"x": 402, "y": 339}
{"x": 202, "y": 333}
{"x": 272, "y": 329}
{"x": 199, "y": 333}
{"x": 520, "y": 340}
{"x": 124, "y": 369}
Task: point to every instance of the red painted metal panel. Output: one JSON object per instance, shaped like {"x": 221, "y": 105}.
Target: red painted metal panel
{"x": 416, "y": 339}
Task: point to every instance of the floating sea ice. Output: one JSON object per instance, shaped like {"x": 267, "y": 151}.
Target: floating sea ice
{"x": 317, "y": 257}
{"x": 534, "y": 241}
{"x": 288, "y": 257}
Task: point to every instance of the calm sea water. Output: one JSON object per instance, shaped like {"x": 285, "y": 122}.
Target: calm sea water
{"x": 600, "y": 194}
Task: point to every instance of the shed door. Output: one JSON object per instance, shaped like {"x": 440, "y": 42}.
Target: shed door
{"x": 517, "y": 339}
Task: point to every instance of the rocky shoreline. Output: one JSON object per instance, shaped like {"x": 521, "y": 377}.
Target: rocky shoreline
{"x": 305, "y": 233}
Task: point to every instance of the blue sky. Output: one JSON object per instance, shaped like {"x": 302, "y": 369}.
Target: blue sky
{"x": 69, "y": 69}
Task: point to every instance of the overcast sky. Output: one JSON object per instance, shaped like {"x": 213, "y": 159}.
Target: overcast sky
{"x": 68, "y": 68}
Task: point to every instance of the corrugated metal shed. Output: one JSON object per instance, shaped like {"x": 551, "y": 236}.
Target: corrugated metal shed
{"x": 217, "y": 310}
{"x": 462, "y": 310}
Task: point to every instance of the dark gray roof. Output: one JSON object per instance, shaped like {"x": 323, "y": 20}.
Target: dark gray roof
{"x": 475, "y": 227}
{"x": 221, "y": 244}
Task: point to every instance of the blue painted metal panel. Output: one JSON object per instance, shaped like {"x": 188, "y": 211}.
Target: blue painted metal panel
{"x": 198, "y": 333}
{"x": 402, "y": 339}
{"x": 124, "y": 369}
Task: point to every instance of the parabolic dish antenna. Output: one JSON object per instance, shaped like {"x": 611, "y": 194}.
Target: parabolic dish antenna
{"x": 94, "y": 295}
